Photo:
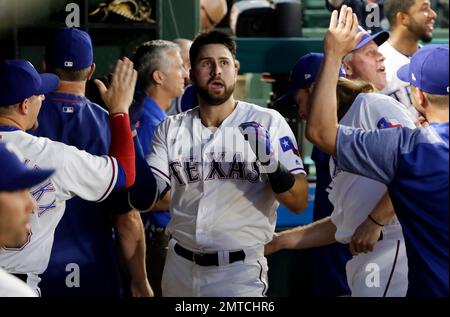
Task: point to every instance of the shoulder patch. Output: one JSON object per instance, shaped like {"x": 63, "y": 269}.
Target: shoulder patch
{"x": 385, "y": 123}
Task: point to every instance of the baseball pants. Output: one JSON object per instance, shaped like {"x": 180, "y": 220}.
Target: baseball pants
{"x": 382, "y": 272}
{"x": 184, "y": 278}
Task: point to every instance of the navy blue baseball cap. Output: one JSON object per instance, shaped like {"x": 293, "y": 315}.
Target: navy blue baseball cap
{"x": 305, "y": 72}
{"x": 379, "y": 38}
{"x": 70, "y": 48}
{"x": 20, "y": 80}
{"x": 428, "y": 69}
{"x": 15, "y": 175}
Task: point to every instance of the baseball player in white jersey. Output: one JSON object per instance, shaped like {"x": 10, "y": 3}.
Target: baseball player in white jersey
{"x": 16, "y": 207}
{"x": 223, "y": 196}
{"x": 77, "y": 172}
{"x": 411, "y": 21}
{"x": 384, "y": 271}
{"x": 354, "y": 197}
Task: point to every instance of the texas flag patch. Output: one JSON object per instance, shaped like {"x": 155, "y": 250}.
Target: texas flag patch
{"x": 386, "y": 123}
{"x": 287, "y": 145}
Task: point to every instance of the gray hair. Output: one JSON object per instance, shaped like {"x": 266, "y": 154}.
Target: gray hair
{"x": 149, "y": 57}
{"x": 347, "y": 58}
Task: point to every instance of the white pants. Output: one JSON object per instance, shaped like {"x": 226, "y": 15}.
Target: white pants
{"x": 381, "y": 273}
{"x": 184, "y": 278}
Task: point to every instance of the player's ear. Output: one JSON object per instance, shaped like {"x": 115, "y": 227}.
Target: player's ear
{"x": 92, "y": 71}
{"x": 421, "y": 97}
{"x": 191, "y": 75}
{"x": 158, "y": 77}
{"x": 237, "y": 66}
{"x": 24, "y": 106}
{"x": 348, "y": 69}
{"x": 402, "y": 18}
{"x": 311, "y": 88}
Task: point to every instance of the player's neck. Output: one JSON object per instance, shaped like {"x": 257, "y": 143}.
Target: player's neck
{"x": 213, "y": 116}
{"x": 404, "y": 42}
{"x": 12, "y": 122}
{"x": 161, "y": 99}
{"x": 72, "y": 87}
{"x": 438, "y": 115}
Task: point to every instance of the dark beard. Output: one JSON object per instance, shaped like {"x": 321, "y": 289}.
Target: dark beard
{"x": 418, "y": 31}
{"x": 425, "y": 38}
{"x": 214, "y": 100}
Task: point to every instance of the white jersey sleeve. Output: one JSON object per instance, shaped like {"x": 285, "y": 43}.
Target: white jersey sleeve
{"x": 285, "y": 146}
{"x": 158, "y": 159}
{"x": 90, "y": 177}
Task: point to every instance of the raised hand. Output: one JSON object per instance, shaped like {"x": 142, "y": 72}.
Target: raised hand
{"x": 119, "y": 95}
{"x": 342, "y": 34}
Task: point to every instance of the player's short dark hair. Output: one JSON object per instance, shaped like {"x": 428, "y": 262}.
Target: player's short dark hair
{"x": 69, "y": 75}
{"x": 148, "y": 57}
{"x": 211, "y": 37}
{"x": 392, "y": 7}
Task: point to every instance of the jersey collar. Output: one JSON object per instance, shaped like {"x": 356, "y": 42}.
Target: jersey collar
{"x": 8, "y": 128}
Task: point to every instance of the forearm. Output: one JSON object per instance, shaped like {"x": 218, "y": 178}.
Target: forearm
{"x": 317, "y": 234}
{"x": 322, "y": 125}
{"x": 384, "y": 210}
{"x": 130, "y": 231}
{"x": 163, "y": 203}
{"x": 122, "y": 147}
{"x": 144, "y": 193}
{"x": 296, "y": 198}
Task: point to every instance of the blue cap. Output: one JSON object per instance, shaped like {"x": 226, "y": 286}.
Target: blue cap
{"x": 428, "y": 69}
{"x": 70, "y": 48}
{"x": 15, "y": 175}
{"x": 379, "y": 38}
{"x": 20, "y": 80}
{"x": 305, "y": 72}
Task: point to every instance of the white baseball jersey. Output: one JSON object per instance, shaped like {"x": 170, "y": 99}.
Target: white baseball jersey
{"x": 78, "y": 173}
{"x": 220, "y": 201}
{"x": 353, "y": 196}
{"x": 11, "y": 286}
{"x": 395, "y": 87}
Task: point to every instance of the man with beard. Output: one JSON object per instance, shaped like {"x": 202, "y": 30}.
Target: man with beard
{"x": 411, "y": 21}
{"x": 227, "y": 163}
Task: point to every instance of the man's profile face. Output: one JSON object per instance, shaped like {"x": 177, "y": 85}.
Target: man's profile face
{"x": 422, "y": 19}
{"x": 15, "y": 211}
{"x": 368, "y": 64}
{"x": 175, "y": 74}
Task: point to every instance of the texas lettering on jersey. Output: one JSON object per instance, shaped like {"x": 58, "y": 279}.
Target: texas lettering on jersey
{"x": 187, "y": 171}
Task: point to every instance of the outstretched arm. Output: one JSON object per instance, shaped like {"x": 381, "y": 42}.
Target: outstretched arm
{"x": 317, "y": 234}
{"x": 130, "y": 232}
{"x": 322, "y": 124}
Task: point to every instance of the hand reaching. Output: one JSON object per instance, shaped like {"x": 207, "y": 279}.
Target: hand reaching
{"x": 365, "y": 237}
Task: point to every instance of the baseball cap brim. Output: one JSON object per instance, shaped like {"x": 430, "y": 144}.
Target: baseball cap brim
{"x": 50, "y": 83}
{"x": 287, "y": 95}
{"x": 28, "y": 179}
{"x": 379, "y": 38}
{"x": 403, "y": 73}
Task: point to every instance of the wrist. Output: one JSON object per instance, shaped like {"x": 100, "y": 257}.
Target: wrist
{"x": 118, "y": 110}
{"x": 281, "y": 180}
{"x": 375, "y": 221}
